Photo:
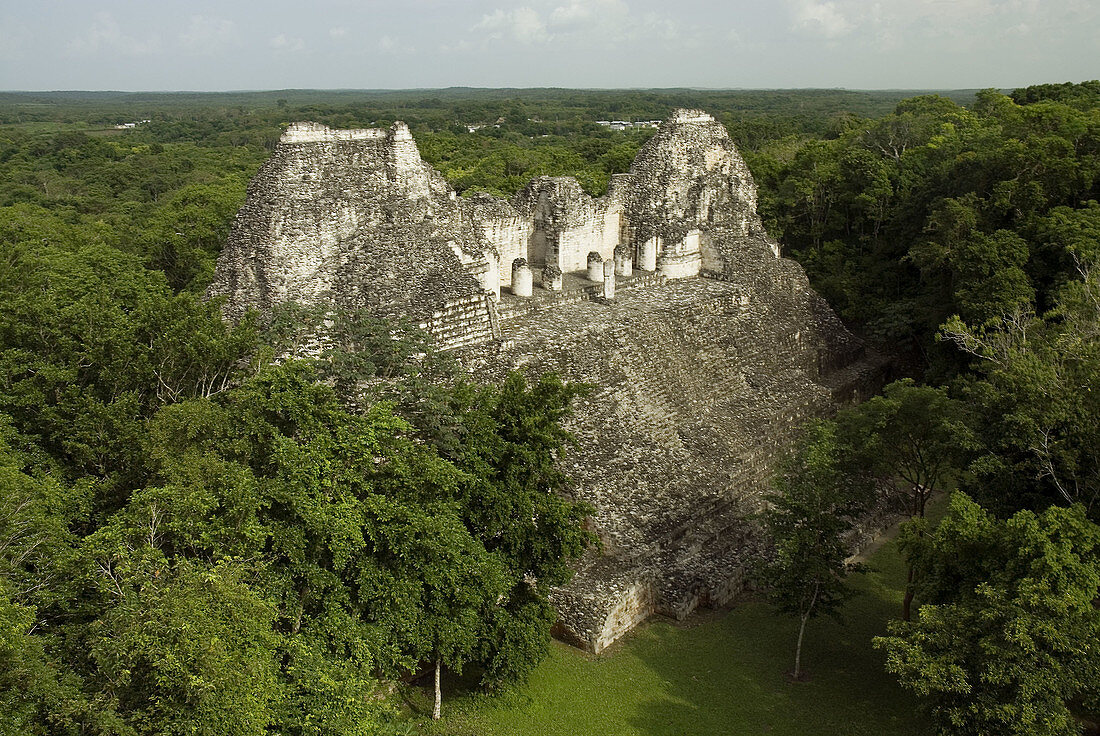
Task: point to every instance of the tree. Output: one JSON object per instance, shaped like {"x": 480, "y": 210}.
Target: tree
{"x": 518, "y": 505}
{"x": 1008, "y": 640}
{"x": 187, "y": 232}
{"x": 365, "y": 557}
{"x": 36, "y": 696}
{"x": 1037, "y": 414}
{"x": 186, "y": 647}
{"x": 910, "y": 437}
{"x": 426, "y": 581}
{"x": 92, "y": 344}
{"x": 508, "y": 441}
{"x": 811, "y": 509}
{"x": 379, "y": 552}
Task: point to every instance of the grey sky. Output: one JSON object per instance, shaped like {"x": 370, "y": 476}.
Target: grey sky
{"x": 230, "y": 44}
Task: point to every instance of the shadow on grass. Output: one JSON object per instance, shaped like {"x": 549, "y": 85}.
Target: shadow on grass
{"x": 725, "y": 674}
{"x": 731, "y": 677}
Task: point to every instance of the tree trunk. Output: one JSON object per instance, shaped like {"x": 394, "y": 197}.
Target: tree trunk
{"x": 920, "y": 499}
{"x": 798, "y": 648}
{"x": 438, "y": 693}
{"x": 907, "y": 602}
{"x": 802, "y": 630}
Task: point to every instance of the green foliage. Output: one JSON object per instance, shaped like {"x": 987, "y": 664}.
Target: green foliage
{"x": 282, "y": 551}
{"x": 1084, "y": 94}
{"x": 39, "y": 694}
{"x": 910, "y": 437}
{"x": 185, "y": 649}
{"x": 507, "y": 442}
{"x": 92, "y": 343}
{"x": 813, "y": 507}
{"x": 36, "y": 697}
{"x": 20, "y": 663}
{"x": 936, "y": 210}
{"x": 518, "y": 505}
{"x": 186, "y": 234}
{"x": 1007, "y": 641}
{"x": 1036, "y": 411}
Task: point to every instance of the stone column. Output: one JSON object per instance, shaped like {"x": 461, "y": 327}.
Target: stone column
{"x": 595, "y": 267}
{"x": 609, "y": 279}
{"x": 551, "y": 278}
{"x": 521, "y": 278}
{"x": 624, "y": 262}
{"x": 647, "y": 255}
{"x": 680, "y": 267}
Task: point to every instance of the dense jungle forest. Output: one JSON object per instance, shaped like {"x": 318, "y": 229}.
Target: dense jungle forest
{"x": 196, "y": 538}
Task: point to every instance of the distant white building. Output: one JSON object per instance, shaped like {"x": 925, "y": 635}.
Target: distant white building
{"x": 627, "y": 124}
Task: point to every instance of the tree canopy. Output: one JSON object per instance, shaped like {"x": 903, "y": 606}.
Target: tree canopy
{"x": 1006, "y": 642}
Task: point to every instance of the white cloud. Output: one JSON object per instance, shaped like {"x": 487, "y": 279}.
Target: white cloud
{"x": 588, "y": 11}
{"x": 659, "y": 26}
{"x": 394, "y": 46}
{"x": 898, "y": 23}
{"x": 523, "y": 24}
{"x": 205, "y": 34}
{"x": 282, "y": 42}
{"x": 105, "y": 35}
{"x": 603, "y": 22}
{"x": 337, "y": 33}
{"x": 14, "y": 40}
{"x": 461, "y": 47}
{"x": 822, "y": 17}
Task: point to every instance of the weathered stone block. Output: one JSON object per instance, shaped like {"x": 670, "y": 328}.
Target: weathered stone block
{"x": 521, "y": 278}
{"x": 624, "y": 262}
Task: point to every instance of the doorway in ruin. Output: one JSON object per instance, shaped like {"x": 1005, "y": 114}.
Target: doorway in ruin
{"x": 538, "y": 245}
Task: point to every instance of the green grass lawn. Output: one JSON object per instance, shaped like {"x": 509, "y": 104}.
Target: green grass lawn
{"x": 720, "y": 674}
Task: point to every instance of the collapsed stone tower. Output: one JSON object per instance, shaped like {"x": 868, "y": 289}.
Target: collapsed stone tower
{"x": 706, "y": 348}
{"x": 355, "y": 218}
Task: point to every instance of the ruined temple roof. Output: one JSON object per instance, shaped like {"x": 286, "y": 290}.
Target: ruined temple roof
{"x": 355, "y": 217}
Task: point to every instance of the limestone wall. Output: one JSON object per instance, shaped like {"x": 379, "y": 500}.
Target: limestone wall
{"x": 686, "y": 181}
{"x": 354, "y": 219}
{"x": 317, "y": 133}
{"x": 567, "y": 224}
{"x": 507, "y": 233}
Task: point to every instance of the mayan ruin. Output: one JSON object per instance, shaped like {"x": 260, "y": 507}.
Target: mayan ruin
{"x": 706, "y": 348}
